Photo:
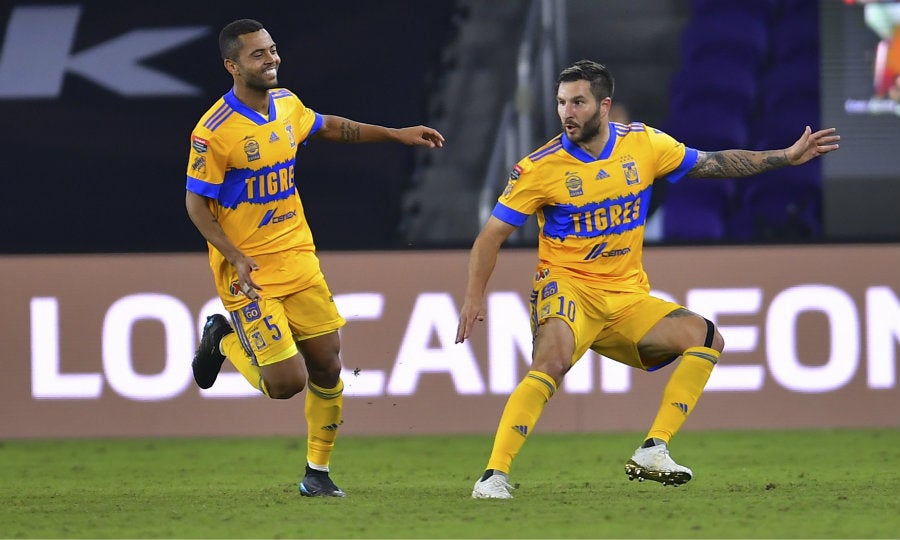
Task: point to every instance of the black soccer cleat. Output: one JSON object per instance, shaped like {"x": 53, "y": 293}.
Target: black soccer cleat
{"x": 319, "y": 484}
{"x": 208, "y": 360}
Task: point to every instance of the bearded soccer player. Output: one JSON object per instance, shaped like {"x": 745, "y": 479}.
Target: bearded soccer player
{"x": 283, "y": 334}
{"x": 590, "y": 188}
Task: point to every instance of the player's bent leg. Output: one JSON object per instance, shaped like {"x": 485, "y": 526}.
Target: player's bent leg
{"x": 680, "y": 329}
{"x": 286, "y": 378}
{"x": 552, "y": 359}
{"x": 324, "y": 407}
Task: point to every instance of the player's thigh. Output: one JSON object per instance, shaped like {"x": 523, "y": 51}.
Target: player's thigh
{"x": 312, "y": 312}
{"x": 674, "y": 333}
{"x": 632, "y": 318}
{"x": 263, "y": 328}
{"x": 566, "y": 300}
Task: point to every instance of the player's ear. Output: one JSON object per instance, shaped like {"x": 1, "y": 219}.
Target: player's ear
{"x": 230, "y": 66}
{"x": 606, "y": 105}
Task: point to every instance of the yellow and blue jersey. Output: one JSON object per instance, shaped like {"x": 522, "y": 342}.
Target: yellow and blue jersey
{"x": 591, "y": 212}
{"x": 244, "y": 162}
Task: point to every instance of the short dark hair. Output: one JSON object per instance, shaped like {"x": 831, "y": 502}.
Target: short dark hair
{"x": 602, "y": 82}
{"x": 229, "y": 37}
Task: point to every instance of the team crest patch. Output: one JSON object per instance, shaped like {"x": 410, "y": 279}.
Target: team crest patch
{"x": 290, "y": 131}
{"x": 574, "y": 185}
{"x": 549, "y": 290}
{"x": 251, "y": 148}
{"x": 631, "y": 173}
{"x": 545, "y": 311}
{"x": 199, "y": 165}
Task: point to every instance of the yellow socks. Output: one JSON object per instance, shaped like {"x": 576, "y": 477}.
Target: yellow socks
{"x": 323, "y": 417}
{"x": 682, "y": 391}
{"x": 521, "y": 413}
{"x": 231, "y": 347}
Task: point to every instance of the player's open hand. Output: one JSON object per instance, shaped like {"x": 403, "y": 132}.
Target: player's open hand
{"x": 471, "y": 312}
{"x": 421, "y": 136}
{"x": 245, "y": 266}
{"x": 812, "y": 145}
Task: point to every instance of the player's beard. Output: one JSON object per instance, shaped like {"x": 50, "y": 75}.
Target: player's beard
{"x": 589, "y": 129}
{"x": 261, "y": 84}
{"x": 258, "y": 81}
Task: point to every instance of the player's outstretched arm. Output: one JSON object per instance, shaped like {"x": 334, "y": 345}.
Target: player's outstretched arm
{"x": 739, "y": 163}
{"x": 482, "y": 260}
{"x": 343, "y": 130}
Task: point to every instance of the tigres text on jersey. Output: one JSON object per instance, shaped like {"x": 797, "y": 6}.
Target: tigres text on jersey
{"x": 244, "y": 163}
{"x": 591, "y": 212}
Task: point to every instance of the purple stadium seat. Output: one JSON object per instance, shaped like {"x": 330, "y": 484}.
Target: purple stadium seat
{"x": 780, "y": 205}
{"x": 727, "y": 38}
{"x": 734, "y": 89}
{"x": 764, "y": 8}
{"x": 697, "y": 210}
{"x": 711, "y": 125}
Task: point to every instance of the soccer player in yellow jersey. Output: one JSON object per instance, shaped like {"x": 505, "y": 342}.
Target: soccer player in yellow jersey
{"x": 590, "y": 188}
{"x": 283, "y": 334}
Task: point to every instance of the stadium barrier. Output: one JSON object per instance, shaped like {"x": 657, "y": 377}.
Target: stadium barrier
{"x": 100, "y": 345}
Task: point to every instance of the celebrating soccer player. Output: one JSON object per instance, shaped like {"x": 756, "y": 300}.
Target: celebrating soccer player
{"x": 590, "y": 188}
{"x": 283, "y": 335}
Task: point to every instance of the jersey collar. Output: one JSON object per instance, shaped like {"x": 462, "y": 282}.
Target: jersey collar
{"x": 246, "y": 111}
{"x": 579, "y": 154}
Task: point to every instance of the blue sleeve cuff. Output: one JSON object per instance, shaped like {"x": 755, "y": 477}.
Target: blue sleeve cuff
{"x": 200, "y": 187}
{"x": 317, "y": 125}
{"x": 508, "y": 215}
{"x": 690, "y": 159}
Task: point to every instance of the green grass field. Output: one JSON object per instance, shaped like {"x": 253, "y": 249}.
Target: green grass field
{"x": 761, "y": 484}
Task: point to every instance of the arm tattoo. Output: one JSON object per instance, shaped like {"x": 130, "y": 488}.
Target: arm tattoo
{"x": 736, "y": 163}
{"x": 681, "y": 312}
{"x": 349, "y": 132}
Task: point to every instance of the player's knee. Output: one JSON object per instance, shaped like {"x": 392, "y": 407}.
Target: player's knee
{"x": 326, "y": 374}
{"x": 286, "y": 388}
{"x": 718, "y": 342}
{"x": 713, "y": 339}
{"x": 556, "y": 367}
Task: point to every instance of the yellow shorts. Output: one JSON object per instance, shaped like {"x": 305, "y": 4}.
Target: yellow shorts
{"x": 270, "y": 327}
{"x": 608, "y": 322}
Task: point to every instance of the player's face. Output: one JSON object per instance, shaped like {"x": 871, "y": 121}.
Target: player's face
{"x": 258, "y": 61}
{"x": 579, "y": 111}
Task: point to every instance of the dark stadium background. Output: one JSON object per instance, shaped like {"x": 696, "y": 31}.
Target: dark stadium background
{"x": 92, "y": 171}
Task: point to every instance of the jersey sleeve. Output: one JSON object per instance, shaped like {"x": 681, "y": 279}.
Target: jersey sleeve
{"x": 206, "y": 163}
{"x": 673, "y": 158}
{"x": 306, "y": 121}
{"x": 522, "y": 196}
